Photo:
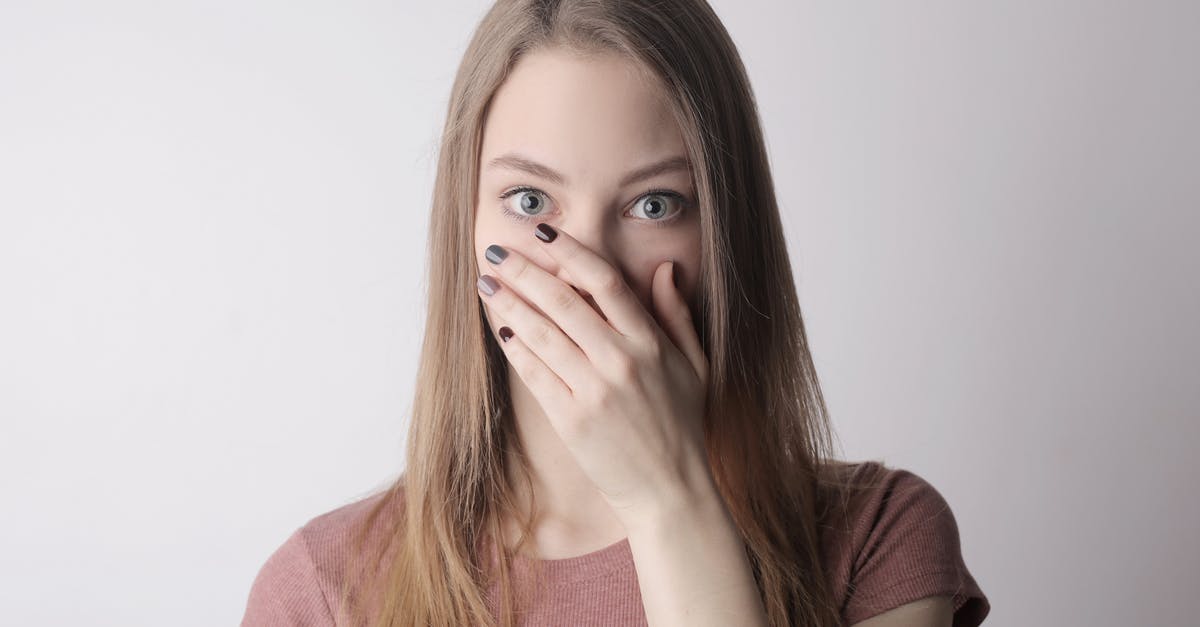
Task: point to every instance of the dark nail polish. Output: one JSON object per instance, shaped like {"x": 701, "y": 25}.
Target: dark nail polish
{"x": 545, "y": 232}
{"x": 495, "y": 254}
{"x": 505, "y": 333}
{"x": 488, "y": 285}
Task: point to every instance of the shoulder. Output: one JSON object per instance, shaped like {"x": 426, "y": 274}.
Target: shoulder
{"x": 301, "y": 581}
{"x": 890, "y": 538}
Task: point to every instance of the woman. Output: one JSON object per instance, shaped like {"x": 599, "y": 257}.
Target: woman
{"x": 617, "y": 417}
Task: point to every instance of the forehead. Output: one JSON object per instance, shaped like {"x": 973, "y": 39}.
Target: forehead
{"x": 586, "y": 116}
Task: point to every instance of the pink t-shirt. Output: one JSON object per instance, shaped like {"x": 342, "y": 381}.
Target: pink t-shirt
{"x": 901, "y": 545}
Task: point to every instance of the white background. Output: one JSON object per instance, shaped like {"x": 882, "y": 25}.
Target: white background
{"x": 212, "y": 256}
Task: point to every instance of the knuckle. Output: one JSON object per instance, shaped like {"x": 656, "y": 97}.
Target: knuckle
{"x": 540, "y": 334}
{"x": 520, "y": 270}
{"x": 611, "y": 283}
{"x": 564, "y": 299}
{"x": 602, "y": 394}
{"x": 502, "y": 301}
{"x": 572, "y": 252}
{"x": 624, "y": 369}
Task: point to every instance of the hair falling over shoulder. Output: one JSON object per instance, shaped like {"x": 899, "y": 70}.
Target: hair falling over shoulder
{"x": 418, "y": 559}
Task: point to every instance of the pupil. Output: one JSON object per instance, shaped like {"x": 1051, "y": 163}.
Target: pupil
{"x": 529, "y": 202}
{"x": 657, "y": 206}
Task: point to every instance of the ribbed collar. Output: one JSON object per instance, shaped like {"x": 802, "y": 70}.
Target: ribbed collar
{"x": 591, "y": 565}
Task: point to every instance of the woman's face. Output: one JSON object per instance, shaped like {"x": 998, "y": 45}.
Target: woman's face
{"x": 562, "y": 140}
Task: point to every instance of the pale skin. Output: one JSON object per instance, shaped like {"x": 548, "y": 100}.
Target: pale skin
{"x": 608, "y": 391}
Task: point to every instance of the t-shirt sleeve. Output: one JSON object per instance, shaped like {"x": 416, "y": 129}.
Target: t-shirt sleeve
{"x": 910, "y": 550}
{"x": 287, "y": 591}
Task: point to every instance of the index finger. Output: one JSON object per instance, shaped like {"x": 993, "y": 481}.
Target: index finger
{"x": 601, "y": 280}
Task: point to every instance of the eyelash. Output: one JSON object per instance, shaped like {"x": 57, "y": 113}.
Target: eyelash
{"x": 662, "y": 222}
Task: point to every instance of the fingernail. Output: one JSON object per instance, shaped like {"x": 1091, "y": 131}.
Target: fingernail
{"x": 505, "y": 333}
{"x": 495, "y": 254}
{"x": 545, "y": 232}
{"x": 487, "y": 284}
{"x": 673, "y": 281}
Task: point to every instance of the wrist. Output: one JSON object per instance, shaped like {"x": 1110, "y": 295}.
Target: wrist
{"x": 699, "y": 502}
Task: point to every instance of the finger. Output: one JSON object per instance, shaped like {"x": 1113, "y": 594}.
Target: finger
{"x": 605, "y": 284}
{"x": 558, "y": 301}
{"x": 549, "y": 390}
{"x": 540, "y": 335}
{"x": 675, "y": 318}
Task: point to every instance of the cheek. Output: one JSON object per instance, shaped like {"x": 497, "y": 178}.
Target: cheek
{"x": 687, "y": 262}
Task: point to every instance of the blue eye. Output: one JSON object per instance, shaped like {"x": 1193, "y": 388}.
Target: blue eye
{"x": 656, "y": 203}
{"x": 537, "y": 203}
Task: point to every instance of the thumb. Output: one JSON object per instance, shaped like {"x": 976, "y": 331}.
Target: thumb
{"x": 675, "y": 317}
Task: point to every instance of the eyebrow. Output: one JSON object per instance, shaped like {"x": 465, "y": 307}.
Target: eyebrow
{"x": 514, "y": 161}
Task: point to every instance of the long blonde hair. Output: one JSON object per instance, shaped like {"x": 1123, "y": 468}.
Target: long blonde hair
{"x": 767, "y": 433}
